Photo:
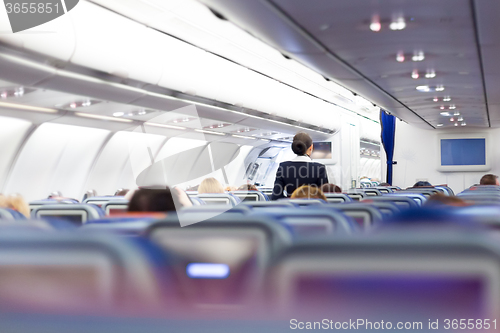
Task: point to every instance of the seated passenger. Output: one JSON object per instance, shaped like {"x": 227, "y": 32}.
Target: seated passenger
{"x": 210, "y": 185}
{"x": 439, "y": 199}
{"x": 422, "y": 184}
{"x": 308, "y": 192}
{"x": 331, "y": 188}
{"x": 248, "y": 187}
{"x": 384, "y": 184}
{"x": 489, "y": 179}
{"x": 17, "y": 202}
{"x": 158, "y": 200}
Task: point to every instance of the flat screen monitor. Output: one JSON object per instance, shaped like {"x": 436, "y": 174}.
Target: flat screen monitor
{"x": 77, "y": 217}
{"x": 323, "y": 153}
{"x": 464, "y": 152}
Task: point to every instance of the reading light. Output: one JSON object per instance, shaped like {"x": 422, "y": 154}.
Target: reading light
{"x": 430, "y": 75}
{"x": 118, "y": 114}
{"x": 96, "y": 116}
{"x": 447, "y": 99}
{"x": 398, "y": 24}
{"x": 26, "y": 107}
{"x": 165, "y": 126}
{"x": 456, "y": 124}
{"x": 209, "y": 132}
{"x": 439, "y": 88}
{"x": 452, "y": 107}
{"x": 243, "y": 137}
{"x": 446, "y": 114}
{"x": 439, "y": 125}
{"x": 72, "y": 105}
{"x": 375, "y": 25}
{"x": 414, "y": 74}
{"x": 400, "y": 57}
{"x": 460, "y": 119}
{"x": 4, "y": 95}
{"x": 441, "y": 107}
{"x": 463, "y": 124}
{"x": 456, "y": 113}
{"x": 418, "y": 56}
{"x": 452, "y": 119}
{"x": 435, "y": 99}
{"x": 423, "y": 88}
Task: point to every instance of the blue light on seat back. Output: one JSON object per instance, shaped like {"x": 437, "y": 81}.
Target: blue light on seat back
{"x": 207, "y": 271}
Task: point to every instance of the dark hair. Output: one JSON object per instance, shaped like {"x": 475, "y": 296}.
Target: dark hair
{"x": 248, "y": 187}
{"x": 152, "y": 200}
{"x": 301, "y": 142}
{"x": 331, "y": 188}
{"x": 422, "y": 183}
{"x": 488, "y": 179}
{"x": 441, "y": 199}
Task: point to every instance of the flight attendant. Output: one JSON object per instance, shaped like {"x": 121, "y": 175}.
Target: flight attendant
{"x": 299, "y": 171}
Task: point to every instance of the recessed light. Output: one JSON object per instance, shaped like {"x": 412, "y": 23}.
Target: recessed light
{"x": 418, "y": 56}
{"x": 463, "y": 124}
{"x": 452, "y": 119}
{"x": 72, "y": 105}
{"x": 414, "y": 74}
{"x": 447, "y": 99}
{"x": 118, "y": 114}
{"x": 456, "y": 124}
{"x": 441, "y": 107}
{"x": 435, "y": 99}
{"x": 439, "y": 88}
{"x": 423, "y": 88}
{"x": 439, "y": 125}
{"x": 400, "y": 57}
{"x": 398, "y": 24}
{"x": 375, "y": 26}
{"x": 430, "y": 75}
{"x": 460, "y": 119}
{"x": 456, "y": 113}
{"x": 452, "y": 107}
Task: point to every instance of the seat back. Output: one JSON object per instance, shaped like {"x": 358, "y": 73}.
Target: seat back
{"x": 268, "y": 204}
{"x": 222, "y": 259}
{"x": 381, "y": 274}
{"x": 114, "y": 207}
{"x": 100, "y": 201}
{"x": 311, "y": 221}
{"x": 481, "y": 197}
{"x": 76, "y": 213}
{"x": 208, "y": 211}
{"x": 384, "y": 189}
{"x": 371, "y": 192}
{"x": 419, "y": 198}
{"x": 11, "y": 214}
{"x": 427, "y": 192}
{"x": 337, "y": 198}
{"x": 403, "y": 202}
{"x": 63, "y": 270}
{"x": 365, "y": 215}
{"x": 304, "y": 202}
{"x": 249, "y": 195}
{"x": 218, "y": 198}
{"x": 356, "y": 196}
{"x": 37, "y": 203}
{"x": 387, "y": 208}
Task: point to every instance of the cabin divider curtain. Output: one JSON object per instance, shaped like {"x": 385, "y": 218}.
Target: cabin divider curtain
{"x": 388, "y": 124}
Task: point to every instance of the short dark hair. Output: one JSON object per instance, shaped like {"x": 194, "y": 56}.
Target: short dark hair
{"x": 152, "y": 200}
{"x": 301, "y": 143}
{"x": 331, "y": 188}
{"x": 422, "y": 183}
{"x": 488, "y": 179}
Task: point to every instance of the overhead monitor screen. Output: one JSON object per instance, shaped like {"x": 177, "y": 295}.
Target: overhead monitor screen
{"x": 463, "y": 151}
{"x": 322, "y": 151}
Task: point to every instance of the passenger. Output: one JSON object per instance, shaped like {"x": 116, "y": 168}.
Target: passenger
{"x": 210, "y": 185}
{"x": 384, "y": 184}
{"x": 422, "y": 184}
{"x": 489, "y": 179}
{"x": 331, "y": 188}
{"x": 308, "y": 192}
{"x": 17, "y": 202}
{"x": 121, "y": 192}
{"x": 299, "y": 171}
{"x": 230, "y": 188}
{"x": 158, "y": 200}
{"x": 439, "y": 199}
{"x": 248, "y": 187}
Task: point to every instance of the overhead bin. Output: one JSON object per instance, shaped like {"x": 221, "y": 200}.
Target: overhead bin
{"x": 55, "y": 38}
{"x": 22, "y": 71}
{"x": 114, "y": 44}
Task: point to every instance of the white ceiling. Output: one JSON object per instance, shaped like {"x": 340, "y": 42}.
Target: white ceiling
{"x": 458, "y": 37}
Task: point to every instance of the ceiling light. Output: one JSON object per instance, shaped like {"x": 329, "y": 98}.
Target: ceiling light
{"x": 456, "y": 124}
{"x": 243, "y": 137}
{"x": 447, "y": 99}
{"x": 460, "y": 119}
{"x": 456, "y": 113}
{"x": 209, "y": 132}
{"x": 439, "y": 125}
{"x": 446, "y": 114}
{"x": 142, "y": 112}
{"x": 19, "y": 92}
{"x": 86, "y": 103}
{"x": 414, "y": 74}
{"x": 423, "y": 88}
{"x": 398, "y": 24}
{"x": 118, "y": 114}
{"x": 452, "y": 119}
{"x": 418, "y": 56}
{"x": 265, "y": 140}
{"x": 463, "y": 124}
{"x": 400, "y": 57}
{"x": 96, "y": 116}
{"x": 430, "y": 75}
{"x": 4, "y": 94}
{"x": 375, "y": 25}
{"x": 165, "y": 126}
{"x": 435, "y": 99}
{"x": 26, "y": 107}
{"x": 441, "y": 107}
{"x": 439, "y": 88}
{"x": 72, "y": 105}
{"x": 452, "y": 107}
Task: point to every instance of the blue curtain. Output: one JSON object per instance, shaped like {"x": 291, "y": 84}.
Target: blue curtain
{"x": 388, "y": 123}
